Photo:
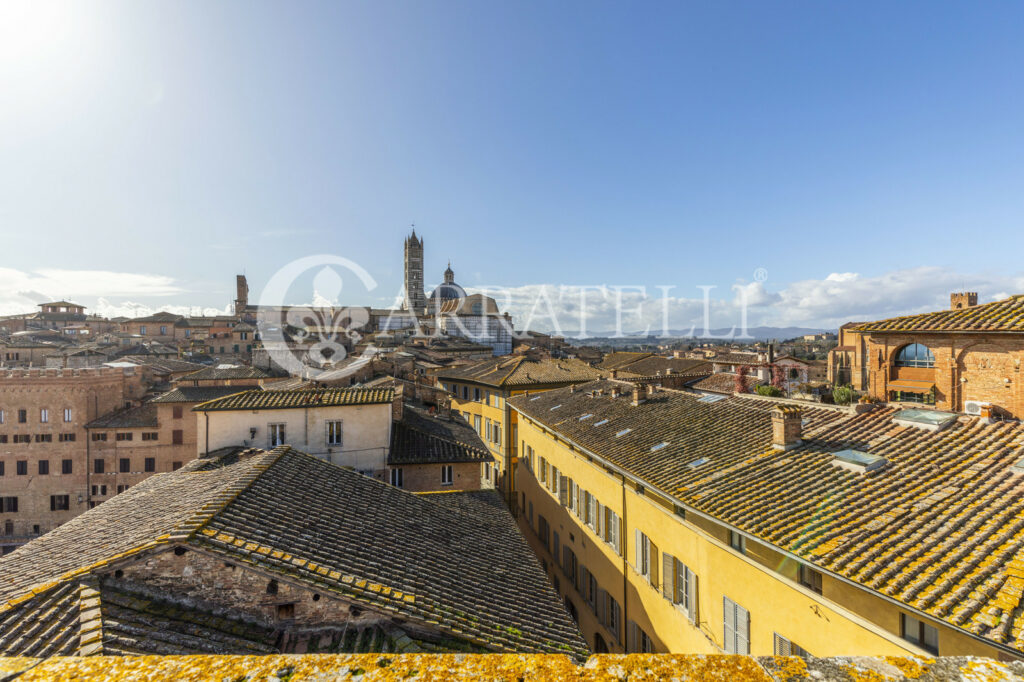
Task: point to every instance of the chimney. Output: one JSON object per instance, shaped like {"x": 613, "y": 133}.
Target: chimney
{"x": 397, "y": 405}
{"x": 786, "y": 427}
{"x": 958, "y": 300}
{"x": 771, "y": 353}
{"x": 615, "y": 374}
{"x": 572, "y": 388}
{"x": 639, "y": 393}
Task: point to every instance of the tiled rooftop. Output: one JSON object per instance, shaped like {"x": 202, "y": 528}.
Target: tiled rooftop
{"x": 521, "y": 371}
{"x": 723, "y": 382}
{"x": 197, "y": 394}
{"x": 940, "y": 528}
{"x": 135, "y": 417}
{"x": 220, "y": 373}
{"x": 452, "y": 562}
{"x": 259, "y": 399}
{"x": 1000, "y": 316}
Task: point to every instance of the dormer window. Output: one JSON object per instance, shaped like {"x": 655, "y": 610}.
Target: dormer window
{"x": 915, "y": 355}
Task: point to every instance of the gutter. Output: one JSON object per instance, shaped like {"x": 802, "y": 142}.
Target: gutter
{"x": 691, "y": 510}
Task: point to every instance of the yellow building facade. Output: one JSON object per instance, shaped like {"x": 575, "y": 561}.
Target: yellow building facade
{"x": 643, "y": 572}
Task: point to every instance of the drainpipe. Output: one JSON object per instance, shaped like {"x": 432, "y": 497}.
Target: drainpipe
{"x": 625, "y": 568}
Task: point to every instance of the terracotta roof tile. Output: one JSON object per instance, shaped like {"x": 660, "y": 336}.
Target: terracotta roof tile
{"x": 260, "y": 399}
{"x": 1000, "y": 316}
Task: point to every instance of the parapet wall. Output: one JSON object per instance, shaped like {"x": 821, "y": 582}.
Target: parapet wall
{"x": 505, "y": 667}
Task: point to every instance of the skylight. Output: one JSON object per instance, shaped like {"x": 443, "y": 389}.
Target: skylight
{"x": 858, "y": 461}
{"x": 586, "y": 416}
{"x": 601, "y": 423}
{"x": 623, "y": 432}
{"x": 929, "y": 420}
{"x": 554, "y": 408}
{"x": 710, "y": 398}
{"x": 536, "y": 397}
{"x": 659, "y": 446}
{"x": 698, "y": 462}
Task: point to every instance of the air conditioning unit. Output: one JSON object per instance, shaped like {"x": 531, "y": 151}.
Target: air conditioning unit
{"x": 974, "y": 406}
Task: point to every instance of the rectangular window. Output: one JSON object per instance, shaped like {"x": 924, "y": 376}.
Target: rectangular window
{"x": 1, "y": 468}
{"x": 44, "y": 437}
{"x": 646, "y": 558}
{"x": 22, "y": 467}
{"x": 177, "y": 437}
{"x": 334, "y": 433}
{"x": 736, "y": 628}
{"x": 1, "y": 416}
{"x": 446, "y": 474}
{"x": 99, "y": 436}
{"x": 737, "y": 542}
{"x": 66, "y": 438}
{"x": 543, "y": 529}
{"x": 22, "y": 438}
{"x": 476, "y": 394}
{"x": 396, "y": 478}
{"x": 44, "y": 467}
{"x": 810, "y": 578}
{"x": 22, "y": 416}
{"x": 784, "y": 647}
{"x": 150, "y": 464}
{"x": 163, "y": 330}
{"x": 97, "y": 466}
{"x": 67, "y": 414}
{"x": 569, "y": 565}
{"x": 276, "y": 436}
{"x": 176, "y": 412}
{"x": 151, "y": 436}
{"x": 613, "y": 617}
{"x": 920, "y": 633}
{"x": 175, "y": 466}
{"x": 679, "y": 586}
{"x": 142, "y": 330}
{"x": 125, "y": 465}
{"x": 638, "y": 641}
{"x": 10, "y": 505}
{"x": 124, "y": 436}
{"x": 44, "y": 415}
{"x": 60, "y": 503}
{"x": 476, "y": 425}
{"x": 66, "y": 466}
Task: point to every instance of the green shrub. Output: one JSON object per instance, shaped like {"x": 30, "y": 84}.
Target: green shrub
{"x": 769, "y": 390}
{"x": 844, "y": 395}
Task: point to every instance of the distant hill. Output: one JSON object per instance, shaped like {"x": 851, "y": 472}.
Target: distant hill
{"x": 753, "y": 334}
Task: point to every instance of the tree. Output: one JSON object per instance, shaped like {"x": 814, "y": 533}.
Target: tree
{"x": 741, "y": 379}
{"x": 778, "y": 377}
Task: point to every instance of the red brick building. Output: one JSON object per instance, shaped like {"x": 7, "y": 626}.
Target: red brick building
{"x": 964, "y": 359}
{"x": 44, "y": 448}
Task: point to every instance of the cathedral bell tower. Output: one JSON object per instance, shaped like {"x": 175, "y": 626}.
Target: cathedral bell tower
{"x": 415, "y": 299}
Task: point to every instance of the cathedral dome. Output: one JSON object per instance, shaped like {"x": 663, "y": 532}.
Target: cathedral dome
{"x": 448, "y": 290}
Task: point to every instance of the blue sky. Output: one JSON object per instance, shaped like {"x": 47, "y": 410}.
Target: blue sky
{"x": 868, "y": 156}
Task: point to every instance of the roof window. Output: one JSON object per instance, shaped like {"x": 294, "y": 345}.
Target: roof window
{"x": 710, "y": 398}
{"x": 659, "y": 446}
{"x": 623, "y": 432}
{"x": 858, "y": 461}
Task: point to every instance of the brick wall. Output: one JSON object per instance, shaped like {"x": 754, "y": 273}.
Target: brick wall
{"x": 427, "y": 477}
{"x": 88, "y": 394}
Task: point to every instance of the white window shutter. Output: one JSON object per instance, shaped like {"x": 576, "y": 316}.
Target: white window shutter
{"x": 729, "y": 625}
{"x": 691, "y": 600}
{"x": 783, "y": 647}
{"x": 742, "y": 630}
{"x": 653, "y": 565}
{"x": 638, "y": 561}
{"x": 668, "y": 586}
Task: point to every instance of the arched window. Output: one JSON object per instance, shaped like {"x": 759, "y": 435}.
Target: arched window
{"x": 915, "y": 355}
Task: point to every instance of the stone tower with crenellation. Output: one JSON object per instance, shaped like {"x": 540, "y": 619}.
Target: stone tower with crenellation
{"x": 415, "y": 299}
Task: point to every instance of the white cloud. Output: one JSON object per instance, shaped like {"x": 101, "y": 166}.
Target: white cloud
{"x": 817, "y": 303}
{"x": 21, "y": 291}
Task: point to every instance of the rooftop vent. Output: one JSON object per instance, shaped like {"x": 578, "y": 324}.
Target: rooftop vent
{"x": 929, "y": 420}
{"x": 857, "y": 461}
